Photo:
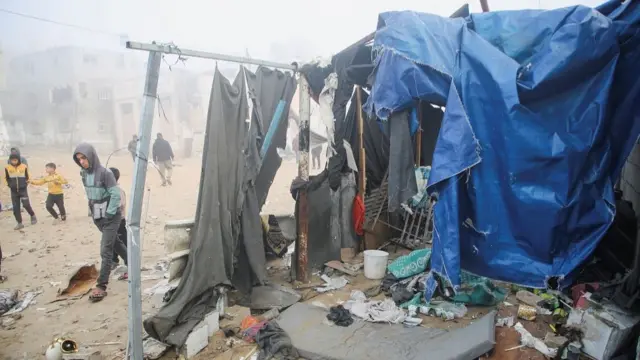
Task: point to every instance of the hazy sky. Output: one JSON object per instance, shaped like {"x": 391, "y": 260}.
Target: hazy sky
{"x": 275, "y": 29}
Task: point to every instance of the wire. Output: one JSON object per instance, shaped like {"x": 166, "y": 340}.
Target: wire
{"x": 32, "y": 17}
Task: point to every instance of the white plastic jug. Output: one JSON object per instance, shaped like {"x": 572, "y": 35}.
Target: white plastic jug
{"x": 375, "y": 264}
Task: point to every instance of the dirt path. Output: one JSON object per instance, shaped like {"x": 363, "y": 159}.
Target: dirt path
{"x": 42, "y": 257}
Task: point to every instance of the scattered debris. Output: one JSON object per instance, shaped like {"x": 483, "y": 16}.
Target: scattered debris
{"x": 80, "y": 283}
{"x": 531, "y": 341}
{"x": 334, "y": 283}
{"x": 24, "y": 303}
{"x": 153, "y": 349}
{"x": 528, "y": 298}
{"x": 344, "y": 268}
{"x": 554, "y": 341}
{"x": 384, "y": 311}
{"x": 445, "y": 310}
{"x": 526, "y": 312}
{"x": 8, "y": 299}
{"x": 340, "y": 316}
{"x": 505, "y": 321}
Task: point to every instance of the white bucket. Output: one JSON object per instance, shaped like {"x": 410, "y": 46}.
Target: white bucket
{"x": 375, "y": 264}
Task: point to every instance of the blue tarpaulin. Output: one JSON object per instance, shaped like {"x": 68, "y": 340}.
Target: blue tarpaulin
{"x": 542, "y": 109}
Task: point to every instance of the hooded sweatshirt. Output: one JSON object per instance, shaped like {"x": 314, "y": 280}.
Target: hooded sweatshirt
{"x": 17, "y": 151}
{"x": 99, "y": 183}
{"x": 16, "y": 177}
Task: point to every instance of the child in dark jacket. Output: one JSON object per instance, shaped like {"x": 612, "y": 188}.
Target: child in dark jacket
{"x": 17, "y": 177}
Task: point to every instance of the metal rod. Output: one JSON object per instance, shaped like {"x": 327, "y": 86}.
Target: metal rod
{"x": 419, "y": 136}
{"x": 362, "y": 175}
{"x": 135, "y": 206}
{"x": 303, "y": 173}
{"x": 484, "y": 5}
{"x": 174, "y": 50}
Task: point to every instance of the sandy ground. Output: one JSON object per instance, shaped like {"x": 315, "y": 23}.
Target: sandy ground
{"x": 42, "y": 257}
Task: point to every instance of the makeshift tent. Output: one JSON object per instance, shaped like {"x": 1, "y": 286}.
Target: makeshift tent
{"x": 226, "y": 245}
{"x": 541, "y": 112}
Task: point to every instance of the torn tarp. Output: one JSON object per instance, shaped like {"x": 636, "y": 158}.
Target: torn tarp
{"x": 226, "y": 245}
{"x": 541, "y": 111}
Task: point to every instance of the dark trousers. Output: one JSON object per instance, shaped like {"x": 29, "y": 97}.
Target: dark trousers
{"x": 57, "y": 200}
{"x": 17, "y": 198}
{"x": 122, "y": 235}
{"x": 109, "y": 243}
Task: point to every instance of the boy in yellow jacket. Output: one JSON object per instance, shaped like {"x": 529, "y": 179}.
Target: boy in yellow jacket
{"x": 56, "y": 194}
{"x": 16, "y": 177}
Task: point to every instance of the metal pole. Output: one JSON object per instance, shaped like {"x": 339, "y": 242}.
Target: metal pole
{"x": 362, "y": 178}
{"x": 484, "y": 5}
{"x": 174, "y": 50}
{"x": 303, "y": 173}
{"x": 135, "y": 206}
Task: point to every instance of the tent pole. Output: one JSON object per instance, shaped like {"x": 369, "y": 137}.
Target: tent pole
{"x": 174, "y": 50}
{"x": 135, "y": 206}
{"x": 303, "y": 173}
{"x": 484, "y": 5}
{"x": 362, "y": 176}
{"x": 419, "y": 136}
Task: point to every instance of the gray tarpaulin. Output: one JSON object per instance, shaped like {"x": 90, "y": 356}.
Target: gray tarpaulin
{"x": 402, "y": 178}
{"x": 266, "y": 88}
{"x": 226, "y": 244}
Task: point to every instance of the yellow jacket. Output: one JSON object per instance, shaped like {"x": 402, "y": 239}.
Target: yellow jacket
{"x": 54, "y": 181}
{"x": 16, "y": 177}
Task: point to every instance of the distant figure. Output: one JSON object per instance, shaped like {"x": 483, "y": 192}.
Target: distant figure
{"x": 294, "y": 147}
{"x": 17, "y": 177}
{"x": 315, "y": 156}
{"x": 133, "y": 145}
{"x": 16, "y": 151}
{"x": 104, "y": 202}
{"x": 163, "y": 156}
{"x": 56, "y": 194}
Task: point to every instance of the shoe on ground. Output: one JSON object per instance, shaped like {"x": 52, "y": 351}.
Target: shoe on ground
{"x": 34, "y": 220}
{"x": 164, "y": 184}
{"x": 19, "y": 227}
{"x": 169, "y": 182}
{"x": 63, "y": 217}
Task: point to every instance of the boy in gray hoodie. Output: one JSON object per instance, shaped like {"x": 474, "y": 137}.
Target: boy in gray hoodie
{"x": 103, "y": 194}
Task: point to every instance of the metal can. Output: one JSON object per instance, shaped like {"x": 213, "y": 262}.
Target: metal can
{"x": 527, "y": 312}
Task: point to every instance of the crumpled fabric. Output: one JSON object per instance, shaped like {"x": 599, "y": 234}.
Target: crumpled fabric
{"x": 384, "y": 311}
{"x": 411, "y": 264}
{"x": 274, "y": 343}
{"x": 340, "y": 316}
{"x": 8, "y": 299}
{"x": 478, "y": 290}
{"x": 332, "y": 283}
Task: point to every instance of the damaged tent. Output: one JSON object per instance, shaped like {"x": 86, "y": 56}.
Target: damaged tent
{"x": 226, "y": 245}
{"x": 541, "y": 113}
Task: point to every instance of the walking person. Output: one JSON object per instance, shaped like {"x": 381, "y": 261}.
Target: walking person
{"x": 133, "y": 145}
{"x": 315, "y": 156}
{"x": 17, "y": 177}
{"x": 56, "y": 193}
{"x": 163, "y": 156}
{"x": 104, "y": 203}
{"x": 122, "y": 230}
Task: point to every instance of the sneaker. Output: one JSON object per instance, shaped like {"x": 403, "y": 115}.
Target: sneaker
{"x": 63, "y": 217}
{"x": 169, "y": 182}
{"x": 164, "y": 183}
{"x": 34, "y": 220}
{"x": 19, "y": 227}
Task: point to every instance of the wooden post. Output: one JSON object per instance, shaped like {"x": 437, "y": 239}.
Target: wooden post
{"x": 362, "y": 174}
{"x": 303, "y": 173}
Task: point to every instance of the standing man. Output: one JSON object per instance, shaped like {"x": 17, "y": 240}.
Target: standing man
{"x": 104, "y": 203}
{"x": 163, "y": 156}
{"x": 133, "y": 144}
{"x": 315, "y": 156}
